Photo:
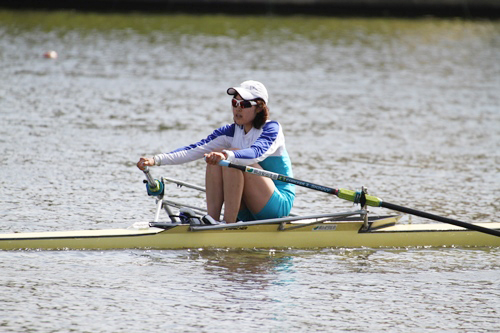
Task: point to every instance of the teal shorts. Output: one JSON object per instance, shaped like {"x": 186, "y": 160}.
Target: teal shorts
{"x": 279, "y": 205}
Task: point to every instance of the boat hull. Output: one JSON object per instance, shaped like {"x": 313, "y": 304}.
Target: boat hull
{"x": 349, "y": 234}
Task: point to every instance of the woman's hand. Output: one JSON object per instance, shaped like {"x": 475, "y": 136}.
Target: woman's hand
{"x": 145, "y": 162}
{"x": 214, "y": 158}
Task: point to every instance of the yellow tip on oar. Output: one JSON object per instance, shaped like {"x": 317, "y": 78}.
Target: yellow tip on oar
{"x": 355, "y": 196}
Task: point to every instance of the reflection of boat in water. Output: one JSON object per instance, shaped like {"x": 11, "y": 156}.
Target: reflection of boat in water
{"x": 259, "y": 268}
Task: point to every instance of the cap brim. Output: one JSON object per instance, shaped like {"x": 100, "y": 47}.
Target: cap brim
{"x": 245, "y": 94}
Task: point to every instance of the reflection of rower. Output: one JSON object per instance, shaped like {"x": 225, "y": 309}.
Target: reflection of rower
{"x": 260, "y": 268}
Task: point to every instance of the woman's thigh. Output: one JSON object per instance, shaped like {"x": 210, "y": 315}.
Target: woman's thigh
{"x": 257, "y": 191}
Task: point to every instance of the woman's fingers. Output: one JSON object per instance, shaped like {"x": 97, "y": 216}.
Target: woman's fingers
{"x": 213, "y": 158}
{"x": 144, "y": 162}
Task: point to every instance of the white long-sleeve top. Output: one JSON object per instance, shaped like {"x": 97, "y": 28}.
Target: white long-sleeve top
{"x": 265, "y": 146}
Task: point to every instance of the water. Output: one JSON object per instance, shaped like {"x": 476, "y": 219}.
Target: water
{"x": 418, "y": 290}
{"x": 408, "y": 108}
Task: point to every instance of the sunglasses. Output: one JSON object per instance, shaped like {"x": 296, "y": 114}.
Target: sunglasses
{"x": 242, "y": 104}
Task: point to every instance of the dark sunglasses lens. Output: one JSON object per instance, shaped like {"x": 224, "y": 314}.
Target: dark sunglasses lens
{"x": 242, "y": 104}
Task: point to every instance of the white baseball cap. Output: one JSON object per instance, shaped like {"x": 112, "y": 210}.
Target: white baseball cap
{"x": 250, "y": 90}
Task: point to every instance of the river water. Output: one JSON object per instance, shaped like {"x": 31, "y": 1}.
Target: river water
{"x": 408, "y": 108}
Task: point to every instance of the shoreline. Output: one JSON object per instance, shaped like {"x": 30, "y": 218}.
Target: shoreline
{"x": 365, "y": 8}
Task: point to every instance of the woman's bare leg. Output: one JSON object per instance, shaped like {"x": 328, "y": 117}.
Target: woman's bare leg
{"x": 214, "y": 190}
{"x": 233, "y": 188}
{"x": 234, "y": 183}
{"x": 245, "y": 189}
{"x": 257, "y": 192}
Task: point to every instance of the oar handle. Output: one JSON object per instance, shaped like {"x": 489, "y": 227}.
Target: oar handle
{"x": 149, "y": 178}
{"x": 153, "y": 186}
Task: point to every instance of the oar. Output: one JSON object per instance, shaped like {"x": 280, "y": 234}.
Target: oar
{"x": 358, "y": 197}
{"x": 154, "y": 186}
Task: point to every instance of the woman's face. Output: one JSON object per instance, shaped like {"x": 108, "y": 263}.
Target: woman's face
{"x": 244, "y": 116}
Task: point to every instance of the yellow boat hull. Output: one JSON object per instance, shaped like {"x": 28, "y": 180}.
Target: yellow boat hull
{"x": 384, "y": 233}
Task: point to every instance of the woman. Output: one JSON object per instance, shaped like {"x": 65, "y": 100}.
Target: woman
{"x": 251, "y": 140}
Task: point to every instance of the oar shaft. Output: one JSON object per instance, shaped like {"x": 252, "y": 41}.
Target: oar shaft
{"x": 277, "y": 176}
{"x": 438, "y": 218}
{"x": 341, "y": 193}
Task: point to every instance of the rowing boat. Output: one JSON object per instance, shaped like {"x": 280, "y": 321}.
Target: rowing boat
{"x": 382, "y": 232}
{"x": 354, "y": 229}
{"x": 313, "y": 232}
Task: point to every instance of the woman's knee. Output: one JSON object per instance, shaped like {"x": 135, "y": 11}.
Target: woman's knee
{"x": 213, "y": 169}
{"x": 231, "y": 173}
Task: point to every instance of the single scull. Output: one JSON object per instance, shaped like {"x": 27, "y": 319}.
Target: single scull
{"x": 355, "y": 229}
